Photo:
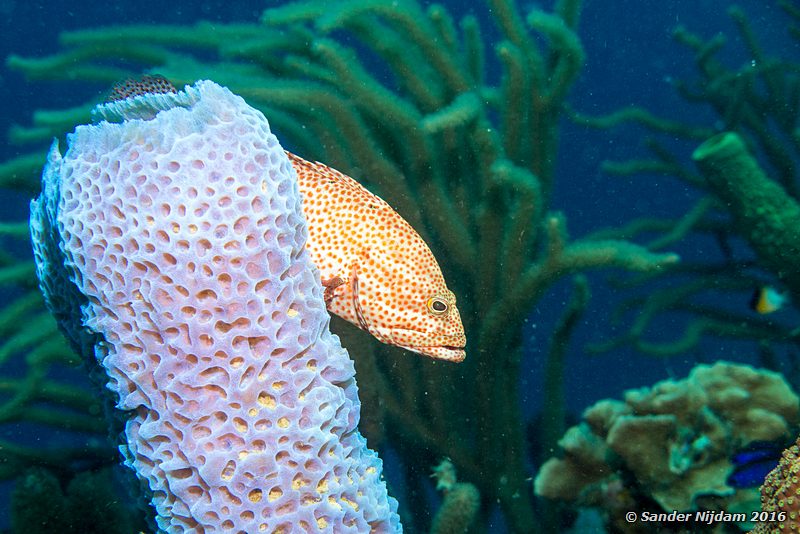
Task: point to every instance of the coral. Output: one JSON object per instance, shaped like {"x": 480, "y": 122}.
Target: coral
{"x": 35, "y": 487}
{"x": 765, "y": 214}
{"x": 180, "y": 226}
{"x": 756, "y": 200}
{"x": 402, "y": 98}
{"x": 670, "y": 445}
{"x": 460, "y": 505}
{"x": 89, "y": 504}
{"x": 780, "y": 495}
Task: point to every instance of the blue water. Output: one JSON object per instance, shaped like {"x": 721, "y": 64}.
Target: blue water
{"x": 631, "y": 59}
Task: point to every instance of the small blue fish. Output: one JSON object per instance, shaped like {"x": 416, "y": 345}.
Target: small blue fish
{"x": 754, "y": 462}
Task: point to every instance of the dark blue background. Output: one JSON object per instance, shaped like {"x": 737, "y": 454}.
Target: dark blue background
{"x": 630, "y": 59}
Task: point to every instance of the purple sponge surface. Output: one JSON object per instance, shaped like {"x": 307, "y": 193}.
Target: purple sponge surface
{"x": 181, "y": 225}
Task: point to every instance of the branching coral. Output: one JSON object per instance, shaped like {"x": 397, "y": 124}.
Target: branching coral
{"x": 410, "y": 112}
{"x": 757, "y": 104}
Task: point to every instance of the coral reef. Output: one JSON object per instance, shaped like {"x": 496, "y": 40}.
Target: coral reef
{"x": 780, "y": 495}
{"x": 669, "y": 447}
{"x": 467, "y": 160}
{"x": 756, "y": 110}
{"x": 181, "y": 230}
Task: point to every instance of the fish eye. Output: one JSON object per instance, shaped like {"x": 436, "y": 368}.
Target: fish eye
{"x": 437, "y": 306}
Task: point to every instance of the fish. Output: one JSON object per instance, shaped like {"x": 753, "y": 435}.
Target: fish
{"x": 753, "y": 463}
{"x": 378, "y": 273}
{"x": 145, "y": 84}
{"x": 766, "y": 299}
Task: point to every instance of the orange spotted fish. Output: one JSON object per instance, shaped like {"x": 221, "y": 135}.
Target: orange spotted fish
{"x": 377, "y": 271}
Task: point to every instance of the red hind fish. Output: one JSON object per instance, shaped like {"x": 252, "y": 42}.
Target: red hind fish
{"x": 378, "y": 272}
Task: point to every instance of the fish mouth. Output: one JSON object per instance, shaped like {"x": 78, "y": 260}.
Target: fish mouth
{"x": 450, "y": 353}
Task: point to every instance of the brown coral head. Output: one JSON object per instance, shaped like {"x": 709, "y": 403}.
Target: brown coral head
{"x": 146, "y": 84}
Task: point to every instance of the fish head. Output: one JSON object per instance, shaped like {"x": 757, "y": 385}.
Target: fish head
{"x": 404, "y": 301}
{"x": 442, "y": 334}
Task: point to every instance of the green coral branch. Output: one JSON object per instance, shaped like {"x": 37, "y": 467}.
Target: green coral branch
{"x": 371, "y": 97}
{"x": 22, "y": 173}
{"x": 516, "y": 86}
{"x": 562, "y": 259}
{"x": 554, "y": 396}
{"x": 72, "y": 65}
{"x": 411, "y": 21}
{"x": 670, "y": 231}
{"x": 683, "y": 226}
{"x": 513, "y": 27}
{"x": 570, "y": 57}
{"x": 569, "y": 11}
{"x": 638, "y": 166}
{"x": 641, "y": 116}
{"x": 517, "y": 242}
{"x": 704, "y": 50}
{"x": 586, "y": 254}
{"x": 48, "y": 124}
{"x": 55, "y": 418}
{"x": 473, "y": 49}
{"x": 18, "y": 458}
{"x": 35, "y": 331}
{"x": 445, "y": 28}
{"x": 18, "y": 273}
{"x": 413, "y": 73}
{"x": 706, "y": 324}
{"x": 460, "y": 112}
{"x": 22, "y": 306}
{"x": 15, "y": 230}
{"x": 203, "y": 35}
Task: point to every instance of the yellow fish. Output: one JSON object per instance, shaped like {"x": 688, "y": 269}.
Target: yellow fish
{"x": 767, "y": 299}
{"x": 377, "y": 271}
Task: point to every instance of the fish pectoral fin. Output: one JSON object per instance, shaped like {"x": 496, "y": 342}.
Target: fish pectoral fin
{"x": 330, "y": 286}
{"x": 362, "y": 322}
